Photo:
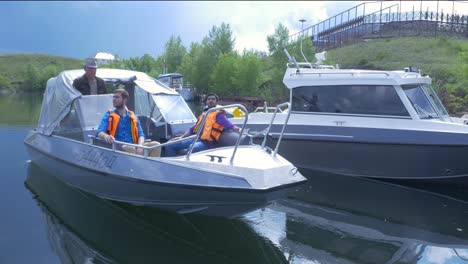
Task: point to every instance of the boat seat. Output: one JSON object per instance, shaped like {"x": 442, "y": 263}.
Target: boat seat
{"x": 227, "y": 138}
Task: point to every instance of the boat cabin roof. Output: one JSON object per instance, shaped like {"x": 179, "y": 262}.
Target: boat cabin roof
{"x": 175, "y": 74}
{"x": 326, "y": 77}
{"x": 149, "y": 84}
{"x": 60, "y": 93}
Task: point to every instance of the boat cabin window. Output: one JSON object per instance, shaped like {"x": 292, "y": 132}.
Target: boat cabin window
{"x": 173, "y": 107}
{"x": 92, "y": 108}
{"x": 144, "y": 104}
{"x": 425, "y": 101}
{"x": 435, "y": 99}
{"x": 165, "y": 81}
{"x": 349, "y": 99}
{"x": 70, "y": 123}
{"x": 85, "y": 115}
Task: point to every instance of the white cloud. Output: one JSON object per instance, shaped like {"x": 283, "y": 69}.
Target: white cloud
{"x": 252, "y": 22}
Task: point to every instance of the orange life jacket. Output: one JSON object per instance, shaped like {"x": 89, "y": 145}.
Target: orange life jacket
{"x": 114, "y": 119}
{"x": 212, "y": 130}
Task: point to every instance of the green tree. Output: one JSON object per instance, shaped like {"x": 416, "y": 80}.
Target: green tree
{"x": 174, "y": 53}
{"x": 248, "y": 77}
{"x": 48, "y": 72}
{"x": 5, "y": 82}
{"x": 32, "y": 79}
{"x": 145, "y": 64}
{"x": 224, "y": 76}
{"x": 220, "y": 40}
{"x": 203, "y": 65}
{"x": 278, "y": 40}
{"x": 276, "y": 44}
{"x": 187, "y": 66}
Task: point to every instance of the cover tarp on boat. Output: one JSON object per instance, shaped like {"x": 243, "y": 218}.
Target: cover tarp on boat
{"x": 60, "y": 93}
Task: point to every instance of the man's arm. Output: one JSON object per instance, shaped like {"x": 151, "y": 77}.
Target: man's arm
{"x": 224, "y": 121}
{"x": 186, "y": 134}
{"x": 102, "y": 129}
{"x": 141, "y": 137}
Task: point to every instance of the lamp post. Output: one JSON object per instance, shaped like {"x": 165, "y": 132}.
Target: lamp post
{"x": 302, "y": 30}
{"x": 302, "y": 20}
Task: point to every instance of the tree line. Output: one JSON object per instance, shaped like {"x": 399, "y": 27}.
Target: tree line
{"x": 215, "y": 66}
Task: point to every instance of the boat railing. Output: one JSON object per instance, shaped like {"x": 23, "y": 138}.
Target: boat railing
{"x": 189, "y": 151}
{"x": 266, "y": 109}
{"x": 265, "y": 133}
{"x": 352, "y": 73}
{"x": 146, "y": 149}
{"x": 307, "y": 65}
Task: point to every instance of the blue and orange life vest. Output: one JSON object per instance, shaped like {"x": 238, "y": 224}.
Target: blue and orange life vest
{"x": 114, "y": 119}
{"x": 212, "y": 130}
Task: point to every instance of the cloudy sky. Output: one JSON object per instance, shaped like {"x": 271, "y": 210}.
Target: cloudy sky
{"x": 129, "y": 29}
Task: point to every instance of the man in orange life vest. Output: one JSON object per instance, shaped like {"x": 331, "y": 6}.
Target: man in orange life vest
{"x": 123, "y": 125}
{"x": 215, "y": 124}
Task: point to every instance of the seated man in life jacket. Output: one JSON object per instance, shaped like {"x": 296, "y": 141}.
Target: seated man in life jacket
{"x": 123, "y": 125}
{"x": 215, "y": 124}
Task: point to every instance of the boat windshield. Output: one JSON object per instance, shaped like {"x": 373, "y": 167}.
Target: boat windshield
{"x": 435, "y": 100}
{"x": 425, "y": 101}
{"x": 173, "y": 107}
{"x": 92, "y": 108}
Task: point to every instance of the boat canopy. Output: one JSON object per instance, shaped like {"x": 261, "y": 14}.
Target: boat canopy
{"x": 60, "y": 93}
{"x": 174, "y": 74}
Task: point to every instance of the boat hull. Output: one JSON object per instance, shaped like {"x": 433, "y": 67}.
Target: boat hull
{"x": 378, "y": 160}
{"x": 374, "y": 153}
{"x": 208, "y": 193}
{"x": 187, "y": 94}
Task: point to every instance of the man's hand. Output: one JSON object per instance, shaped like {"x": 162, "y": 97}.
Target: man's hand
{"x": 140, "y": 151}
{"x": 109, "y": 139}
{"x": 175, "y": 138}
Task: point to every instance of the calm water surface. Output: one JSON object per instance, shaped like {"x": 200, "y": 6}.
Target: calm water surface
{"x": 328, "y": 220}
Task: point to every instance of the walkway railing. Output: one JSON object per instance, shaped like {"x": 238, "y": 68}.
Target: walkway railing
{"x": 355, "y": 24}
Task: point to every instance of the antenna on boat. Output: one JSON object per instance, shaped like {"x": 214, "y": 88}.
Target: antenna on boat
{"x": 320, "y": 57}
{"x": 292, "y": 59}
{"x": 302, "y": 31}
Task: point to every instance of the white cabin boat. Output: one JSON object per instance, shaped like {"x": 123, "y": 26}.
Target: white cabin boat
{"x": 368, "y": 123}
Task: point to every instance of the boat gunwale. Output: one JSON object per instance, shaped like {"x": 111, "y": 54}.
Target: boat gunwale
{"x": 169, "y": 184}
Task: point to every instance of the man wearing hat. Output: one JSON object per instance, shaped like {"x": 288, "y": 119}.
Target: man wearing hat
{"x": 89, "y": 83}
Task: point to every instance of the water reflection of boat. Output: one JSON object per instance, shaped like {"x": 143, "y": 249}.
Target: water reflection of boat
{"x": 374, "y": 222}
{"x": 83, "y": 227}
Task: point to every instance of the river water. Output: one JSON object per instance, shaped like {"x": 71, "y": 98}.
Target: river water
{"x": 328, "y": 220}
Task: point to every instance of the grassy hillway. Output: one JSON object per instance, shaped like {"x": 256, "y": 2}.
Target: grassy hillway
{"x": 31, "y": 71}
{"x": 445, "y": 60}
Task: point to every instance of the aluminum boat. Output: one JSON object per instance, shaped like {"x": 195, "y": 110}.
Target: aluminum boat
{"x": 226, "y": 181}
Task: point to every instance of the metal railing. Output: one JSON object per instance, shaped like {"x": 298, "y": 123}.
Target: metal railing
{"x": 356, "y": 24}
{"x": 282, "y": 130}
{"x": 187, "y": 156}
{"x": 147, "y": 149}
